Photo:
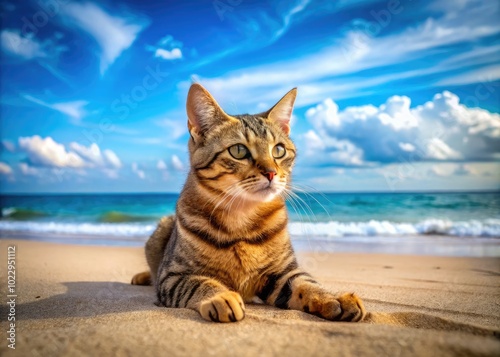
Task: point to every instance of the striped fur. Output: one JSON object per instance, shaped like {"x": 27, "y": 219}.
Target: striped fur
{"x": 228, "y": 241}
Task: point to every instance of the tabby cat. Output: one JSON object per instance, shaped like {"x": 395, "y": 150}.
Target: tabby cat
{"x": 228, "y": 241}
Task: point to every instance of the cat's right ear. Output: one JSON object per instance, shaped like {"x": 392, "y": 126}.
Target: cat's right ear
{"x": 203, "y": 111}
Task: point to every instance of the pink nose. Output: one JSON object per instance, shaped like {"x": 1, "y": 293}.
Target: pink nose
{"x": 269, "y": 174}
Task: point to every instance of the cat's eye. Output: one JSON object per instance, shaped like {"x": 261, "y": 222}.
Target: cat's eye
{"x": 239, "y": 151}
{"x": 279, "y": 151}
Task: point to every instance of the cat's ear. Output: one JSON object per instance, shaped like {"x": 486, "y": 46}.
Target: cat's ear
{"x": 282, "y": 111}
{"x": 203, "y": 111}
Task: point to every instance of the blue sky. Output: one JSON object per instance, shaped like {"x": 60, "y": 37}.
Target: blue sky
{"x": 393, "y": 95}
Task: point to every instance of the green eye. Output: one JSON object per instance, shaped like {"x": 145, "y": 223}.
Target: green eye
{"x": 239, "y": 151}
{"x": 279, "y": 151}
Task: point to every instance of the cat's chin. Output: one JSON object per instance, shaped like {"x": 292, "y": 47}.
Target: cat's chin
{"x": 263, "y": 195}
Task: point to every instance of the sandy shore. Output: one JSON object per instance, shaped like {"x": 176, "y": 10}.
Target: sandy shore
{"x": 77, "y": 301}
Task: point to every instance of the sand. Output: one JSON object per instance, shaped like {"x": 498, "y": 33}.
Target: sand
{"x": 77, "y": 301}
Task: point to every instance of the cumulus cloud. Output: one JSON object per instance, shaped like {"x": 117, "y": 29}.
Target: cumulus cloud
{"x": 45, "y": 152}
{"x": 113, "y": 34}
{"x": 94, "y": 157}
{"x": 5, "y": 169}
{"x": 442, "y": 129}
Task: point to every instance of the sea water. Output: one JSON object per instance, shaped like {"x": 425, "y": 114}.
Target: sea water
{"x": 315, "y": 215}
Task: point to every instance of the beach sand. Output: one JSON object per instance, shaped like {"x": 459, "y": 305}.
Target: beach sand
{"x": 77, "y": 301}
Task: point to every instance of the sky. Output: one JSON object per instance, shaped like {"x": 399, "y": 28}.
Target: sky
{"x": 392, "y": 95}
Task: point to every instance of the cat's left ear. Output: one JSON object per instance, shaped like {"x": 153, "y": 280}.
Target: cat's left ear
{"x": 282, "y": 111}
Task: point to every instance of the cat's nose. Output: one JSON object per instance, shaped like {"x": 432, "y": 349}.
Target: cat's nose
{"x": 269, "y": 173}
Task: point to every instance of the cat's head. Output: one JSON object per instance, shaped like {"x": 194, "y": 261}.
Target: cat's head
{"x": 248, "y": 157}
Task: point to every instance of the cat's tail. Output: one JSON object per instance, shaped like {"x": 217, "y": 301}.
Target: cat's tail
{"x": 155, "y": 248}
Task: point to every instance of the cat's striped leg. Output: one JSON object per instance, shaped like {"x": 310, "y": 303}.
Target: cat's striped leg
{"x": 214, "y": 301}
{"x": 295, "y": 289}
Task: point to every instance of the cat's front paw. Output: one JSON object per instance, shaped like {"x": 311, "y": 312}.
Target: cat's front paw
{"x": 345, "y": 307}
{"x": 227, "y": 306}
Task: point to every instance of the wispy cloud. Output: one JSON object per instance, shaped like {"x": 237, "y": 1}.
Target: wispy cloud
{"x": 113, "y": 34}
{"x": 74, "y": 110}
{"x": 358, "y": 51}
{"x": 26, "y": 47}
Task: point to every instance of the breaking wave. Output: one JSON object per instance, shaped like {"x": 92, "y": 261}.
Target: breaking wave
{"x": 472, "y": 228}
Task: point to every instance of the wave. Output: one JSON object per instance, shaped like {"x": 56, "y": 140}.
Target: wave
{"x": 100, "y": 229}
{"x": 22, "y": 214}
{"x": 120, "y": 217}
{"x": 473, "y": 228}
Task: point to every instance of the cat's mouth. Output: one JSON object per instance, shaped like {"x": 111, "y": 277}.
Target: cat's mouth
{"x": 267, "y": 191}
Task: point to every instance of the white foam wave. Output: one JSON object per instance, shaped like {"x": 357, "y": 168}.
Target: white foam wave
{"x": 101, "y": 229}
{"x": 473, "y": 228}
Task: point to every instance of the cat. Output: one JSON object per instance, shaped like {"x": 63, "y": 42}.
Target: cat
{"x": 228, "y": 241}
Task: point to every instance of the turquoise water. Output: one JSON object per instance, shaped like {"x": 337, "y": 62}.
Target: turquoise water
{"x": 321, "y": 215}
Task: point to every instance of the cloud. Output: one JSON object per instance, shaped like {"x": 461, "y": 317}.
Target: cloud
{"x": 27, "y": 170}
{"x": 45, "y": 152}
{"x": 137, "y": 171}
{"x": 5, "y": 169}
{"x": 94, "y": 157}
{"x": 482, "y": 75}
{"x": 168, "y": 55}
{"x": 8, "y": 145}
{"x": 74, "y": 110}
{"x": 161, "y": 165}
{"x": 325, "y": 72}
{"x": 439, "y": 130}
{"x": 177, "y": 163}
{"x": 26, "y": 47}
{"x": 113, "y": 34}
{"x": 167, "y": 48}
{"x": 176, "y": 128}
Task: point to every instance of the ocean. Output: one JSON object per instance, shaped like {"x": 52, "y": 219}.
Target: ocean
{"x": 128, "y": 219}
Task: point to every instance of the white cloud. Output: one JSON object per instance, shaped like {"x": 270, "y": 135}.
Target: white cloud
{"x": 112, "y": 33}
{"x": 112, "y": 159}
{"x": 5, "y": 169}
{"x": 482, "y": 75}
{"x": 46, "y": 152}
{"x": 323, "y": 73}
{"x": 74, "y": 109}
{"x": 26, "y": 47}
{"x": 27, "y": 170}
{"x": 94, "y": 157}
{"x": 175, "y": 53}
{"x": 177, "y": 163}
{"x": 140, "y": 173}
{"x": 161, "y": 165}
{"x": 439, "y": 130}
